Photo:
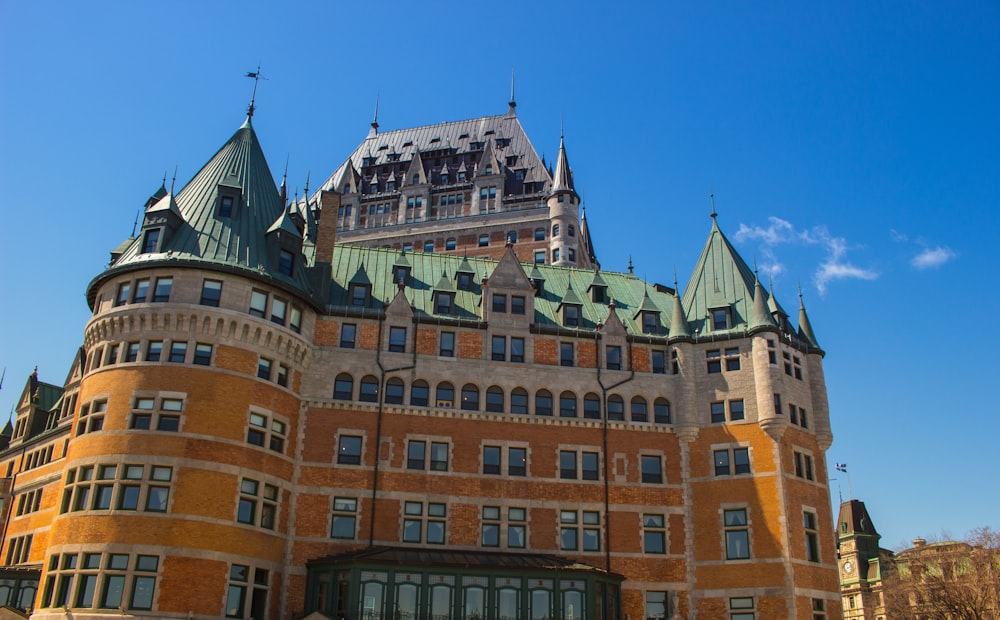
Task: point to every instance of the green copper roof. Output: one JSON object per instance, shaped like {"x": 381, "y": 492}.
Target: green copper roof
{"x": 721, "y": 279}
{"x": 760, "y": 316}
{"x": 679, "y": 327}
{"x": 425, "y": 278}
{"x": 235, "y": 241}
{"x": 805, "y": 328}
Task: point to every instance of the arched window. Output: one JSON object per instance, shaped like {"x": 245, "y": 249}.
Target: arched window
{"x": 661, "y": 411}
{"x": 494, "y": 399}
{"x": 369, "y": 390}
{"x": 616, "y": 407}
{"x": 470, "y": 397}
{"x": 419, "y": 393}
{"x": 394, "y": 391}
{"x": 445, "y": 395}
{"x": 343, "y": 387}
{"x": 543, "y": 402}
{"x": 567, "y": 405}
{"x": 519, "y": 401}
{"x": 592, "y": 406}
{"x": 639, "y": 411}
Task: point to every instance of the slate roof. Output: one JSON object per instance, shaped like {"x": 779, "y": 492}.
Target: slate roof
{"x": 406, "y": 142}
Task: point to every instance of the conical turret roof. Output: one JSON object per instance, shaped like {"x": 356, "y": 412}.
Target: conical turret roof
{"x": 562, "y": 180}
{"x": 805, "y": 328}
{"x": 761, "y": 316}
{"x": 679, "y": 327}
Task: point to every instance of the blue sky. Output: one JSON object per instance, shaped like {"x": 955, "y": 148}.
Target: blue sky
{"x": 852, "y": 147}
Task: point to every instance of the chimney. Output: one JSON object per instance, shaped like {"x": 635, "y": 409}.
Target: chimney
{"x": 326, "y": 235}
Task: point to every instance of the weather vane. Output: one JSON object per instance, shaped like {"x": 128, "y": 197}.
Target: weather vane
{"x": 257, "y": 77}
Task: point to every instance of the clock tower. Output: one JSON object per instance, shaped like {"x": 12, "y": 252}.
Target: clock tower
{"x": 860, "y": 563}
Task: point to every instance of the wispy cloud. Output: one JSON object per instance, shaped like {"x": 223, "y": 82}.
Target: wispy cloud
{"x": 932, "y": 257}
{"x": 782, "y": 232}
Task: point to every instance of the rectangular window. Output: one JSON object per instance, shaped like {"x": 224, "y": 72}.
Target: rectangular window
{"x": 491, "y": 526}
{"x": 614, "y": 354}
{"x": 517, "y": 304}
{"x": 517, "y": 461}
{"x": 819, "y": 609}
{"x": 566, "y": 357}
{"x": 498, "y": 349}
{"x": 279, "y": 308}
{"x": 416, "y": 455}
{"x": 254, "y": 495}
{"x": 348, "y": 335}
{"x": 202, "y": 354}
{"x": 345, "y": 516}
{"x": 654, "y": 534}
{"x": 732, "y": 460}
{"x": 579, "y": 530}
{"x": 567, "y": 464}
{"x": 812, "y": 536}
{"x": 652, "y": 469}
{"x": 132, "y": 352}
{"x": 491, "y": 460}
{"x": 211, "y": 293}
{"x": 659, "y": 362}
{"x": 571, "y": 313}
{"x": 732, "y": 359}
{"x": 295, "y": 319}
{"x": 264, "y": 369}
{"x": 141, "y": 291}
{"x": 439, "y": 456}
{"x": 539, "y": 257}
{"x": 720, "y": 319}
{"x": 178, "y": 352}
{"x": 589, "y": 466}
{"x": 122, "y": 297}
{"x": 418, "y": 527}
{"x": 499, "y": 303}
{"x": 516, "y": 349}
{"x": 162, "y": 292}
{"x": 714, "y": 361}
{"x": 264, "y": 431}
{"x": 741, "y": 608}
{"x": 258, "y": 304}
{"x": 153, "y": 350}
{"x": 447, "y": 346}
{"x": 718, "y": 412}
{"x": 349, "y": 450}
{"x": 737, "y": 534}
{"x": 286, "y": 262}
{"x": 736, "y": 410}
{"x": 150, "y": 241}
{"x": 397, "y": 339}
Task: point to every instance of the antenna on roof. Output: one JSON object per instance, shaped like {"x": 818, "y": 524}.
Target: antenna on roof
{"x": 253, "y": 96}
{"x": 511, "y": 105}
{"x": 173, "y": 180}
{"x": 711, "y": 196}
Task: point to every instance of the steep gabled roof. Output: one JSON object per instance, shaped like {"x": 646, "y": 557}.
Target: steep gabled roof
{"x": 721, "y": 279}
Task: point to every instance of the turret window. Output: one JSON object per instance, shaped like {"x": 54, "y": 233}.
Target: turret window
{"x": 211, "y": 293}
{"x": 279, "y": 308}
{"x": 141, "y": 291}
{"x": 571, "y": 230}
{"x": 150, "y": 241}
{"x": 122, "y": 297}
{"x": 555, "y": 230}
{"x": 163, "y": 287}
{"x": 571, "y": 255}
{"x": 286, "y": 262}
{"x": 555, "y": 255}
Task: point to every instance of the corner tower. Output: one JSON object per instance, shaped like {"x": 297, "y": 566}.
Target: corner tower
{"x": 178, "y": 471}
{"x": 564, "y": 213}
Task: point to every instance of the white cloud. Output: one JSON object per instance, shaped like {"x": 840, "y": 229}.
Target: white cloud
{"x": 781, "y": 232}
{"x": 932, "y": 257}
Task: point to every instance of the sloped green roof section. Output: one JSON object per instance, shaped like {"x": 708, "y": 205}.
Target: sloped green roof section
{"x": 235, "y": 241}
{"x": 425, "y": 276}
{"x": 48, "y": 396}
{"x": 721, "y": 279}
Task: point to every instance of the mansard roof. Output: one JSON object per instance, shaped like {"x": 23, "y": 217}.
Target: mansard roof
{"x": 854, "y": 520}
{"x": 561, "y": 286}
{"x": 202, "y": 236}
{"x": 503, "y": 133}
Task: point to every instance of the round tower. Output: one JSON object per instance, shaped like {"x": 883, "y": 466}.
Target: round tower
{"x": 564, "y": 214}
{"x": 179, "y": 467}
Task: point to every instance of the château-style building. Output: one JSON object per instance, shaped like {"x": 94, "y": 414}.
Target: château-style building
{"x": 415, "y": 394}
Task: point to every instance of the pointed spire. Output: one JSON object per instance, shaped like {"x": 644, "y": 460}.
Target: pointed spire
{"x": 374, "y": 130}
{"x": 711, "y": 196}
{"x": 630, "y": 267}
{"x": 760, "y": 316}
{"x": 283, "y": 190}
{"x": 253, "y": 96}
{"x": 805, "y": 328}
{"x": 563, "y": 178}
{"x": 679, "y": 328}
{"x": 511, "y": 105}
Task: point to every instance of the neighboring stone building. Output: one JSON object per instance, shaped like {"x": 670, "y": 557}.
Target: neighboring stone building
{"x": 862, "y": 562}
{"x": 265, "y": 423}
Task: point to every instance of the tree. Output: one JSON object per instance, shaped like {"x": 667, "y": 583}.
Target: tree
{"x": 946, "y": 580}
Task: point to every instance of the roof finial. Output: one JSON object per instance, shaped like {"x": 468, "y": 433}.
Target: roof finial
{"x": 173, "y": 180}
{"x": 630, "y": 263}
{"x": 374, "y": 129}
{"x": 135, "y": 223}
{"x": 675, "y": 278}
{"x": 253, "y": 96}
{"x": 511, "y": 105}
{"x": 561, "y": 132}
{"x": 801, "y": 305}
{"x": 711, "y": 195}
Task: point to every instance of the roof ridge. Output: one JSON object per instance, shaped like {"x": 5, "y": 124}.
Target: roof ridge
{"x": 444, "y": 124}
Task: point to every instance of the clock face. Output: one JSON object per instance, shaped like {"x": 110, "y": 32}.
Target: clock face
{"x": 848, "y": 567}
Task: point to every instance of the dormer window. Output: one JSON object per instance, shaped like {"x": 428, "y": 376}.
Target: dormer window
{"x": 400, "y": 274}
{"x": 226, "y": 206}
{"x": 599, "y": 294}
{"x": 347, "y": 189}
{"x": 444, "y": 178}
{"x": 464, "y": 282}
{"x": 416, "y": 179}
{"x": 489, "y": 169}
{"x": 720, "y": 319}
{"x": 359, "y": 295}
{"x": 650, "y": 322}
{"x": 373, "y": 188}
{"x": 461, "y": 176}
{"x": 571, "y": 315}
{"x": 443, "y": 302}
{"x": 150, "y": 241}
{"x": 390, "y": 186}
{"x": 286, "y": 262}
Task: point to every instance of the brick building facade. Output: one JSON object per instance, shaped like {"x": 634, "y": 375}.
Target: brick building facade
{"x": 434, "y": 418}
